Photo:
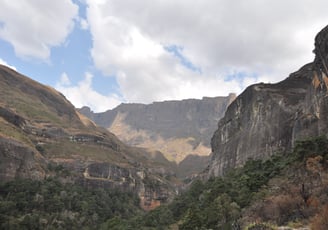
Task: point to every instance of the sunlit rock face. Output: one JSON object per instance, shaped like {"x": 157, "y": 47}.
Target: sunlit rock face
{"x": 268, "y": 118}
{"x": 42, "y": 135}
{"x": 175, "y": 128}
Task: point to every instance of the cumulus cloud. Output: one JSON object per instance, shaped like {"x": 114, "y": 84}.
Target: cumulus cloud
{"x": 3, "y": 62}
{"x": 247, "y": 41}
{"x": 34, "y": 26}
{"x": 83, "y": 94}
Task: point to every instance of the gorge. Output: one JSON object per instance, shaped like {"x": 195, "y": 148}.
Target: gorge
{"x": 267, "y": 168}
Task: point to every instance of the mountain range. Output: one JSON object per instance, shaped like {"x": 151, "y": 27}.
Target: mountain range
{"x": 175, "y": 128}
{"x": 43, "y": 136}
{"x": 40, "y": 130}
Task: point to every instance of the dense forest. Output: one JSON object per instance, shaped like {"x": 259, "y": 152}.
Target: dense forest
{"x": 286, "y": 189}
{"x": 49, "y": 204}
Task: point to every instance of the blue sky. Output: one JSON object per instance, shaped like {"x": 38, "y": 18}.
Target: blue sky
{"x": 100, "y": 53}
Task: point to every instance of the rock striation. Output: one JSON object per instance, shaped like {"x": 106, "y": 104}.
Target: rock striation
{"x": 268, "y": 118}
{"x": 42, "y": 135}
{"x": 175, "y": 128}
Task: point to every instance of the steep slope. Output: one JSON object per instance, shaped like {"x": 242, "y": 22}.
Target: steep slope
{"x": 268, "y": 118}
{"x": 175, "y": 128}
{"x": 281, "y": 192}
{"x": 191, "y": 166}
{"x": 41, "y": 132}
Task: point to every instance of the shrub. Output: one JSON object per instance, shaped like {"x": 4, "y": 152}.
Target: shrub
{"x": 320, "y": 221}
{"x": 260, "y": 226}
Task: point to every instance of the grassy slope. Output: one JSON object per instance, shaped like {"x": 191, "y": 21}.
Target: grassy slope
{"x": 43, "y": 108}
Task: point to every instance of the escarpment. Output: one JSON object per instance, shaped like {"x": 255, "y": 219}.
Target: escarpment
{"x": 42, "y": 135}
{"x": 268, "y": 118}
{"x": 175, "y": 128}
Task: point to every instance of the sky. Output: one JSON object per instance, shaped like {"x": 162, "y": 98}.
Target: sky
{"x": 100, "y": 53}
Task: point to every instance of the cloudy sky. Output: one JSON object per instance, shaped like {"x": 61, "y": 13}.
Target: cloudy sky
{"x": 101, "y": 53}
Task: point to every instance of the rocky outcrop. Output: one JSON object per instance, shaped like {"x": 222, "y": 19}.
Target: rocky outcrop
{"x": 20, "y": 161}
{"x": 175, "y": 128}
{"x": 42, "y": 135}
{"x": 11, "y": 117}
{"x": 268, "y": 118}
{"x": 152, "y": 191}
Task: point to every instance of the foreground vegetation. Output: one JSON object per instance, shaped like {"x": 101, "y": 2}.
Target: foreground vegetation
{"x": 289, "y": 189}
{"x": 49, "y": 204}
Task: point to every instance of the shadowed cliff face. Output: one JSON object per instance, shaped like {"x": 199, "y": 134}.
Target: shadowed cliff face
{"x": 175, "y": 128}
{"x": 269, "y": 118}
{"x": 42, "y": 135}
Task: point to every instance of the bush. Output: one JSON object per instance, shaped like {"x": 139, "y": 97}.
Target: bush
{"x": 311, "y": 147}
{"x": 28, "y": 203}
{"x": 320, "y": 221}
{"x": 260, "y": 226}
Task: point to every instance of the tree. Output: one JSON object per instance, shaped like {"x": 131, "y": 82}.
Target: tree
{"x": 192, "y": 220}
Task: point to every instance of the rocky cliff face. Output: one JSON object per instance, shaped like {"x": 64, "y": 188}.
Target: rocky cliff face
{"x": 175, "y": 128}
{"x": 269, "y": 118}
{"x": 19, "y": 161}
{"x": 42, "y": 135}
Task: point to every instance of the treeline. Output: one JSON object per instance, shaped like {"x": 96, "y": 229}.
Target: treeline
{"x": 228, "y": 202}
{"x": 49, "y": 204}
{"x": 284, "y": 189}
{"x": 217, "y": 203}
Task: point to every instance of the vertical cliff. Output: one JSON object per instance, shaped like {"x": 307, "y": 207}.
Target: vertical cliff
{"x": 269, "y": 118}
{"x": 175, "y": 128}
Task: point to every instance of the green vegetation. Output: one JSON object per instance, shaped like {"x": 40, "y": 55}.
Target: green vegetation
{"x": 49, "y": 204}
{"x": 287, "y": 189}
{"x": 10, "y": 131}
{"x": 217, "y": 203}
{"x": 223, "y": 202}
{"x": 66, "y": 148}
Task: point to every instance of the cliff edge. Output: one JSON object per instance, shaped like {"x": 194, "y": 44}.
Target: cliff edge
{"x": 268, "y": 118}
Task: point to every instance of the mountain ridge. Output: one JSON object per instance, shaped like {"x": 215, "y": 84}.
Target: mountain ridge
{"x": 40, "y": 130}
{"x": 175, "y": 128}
{"x": 268, "y": 118}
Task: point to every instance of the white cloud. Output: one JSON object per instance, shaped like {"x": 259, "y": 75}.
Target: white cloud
{"x": 3, "y": 62}
{"x": 84, "y": 24}
{"x": 256, "y": 38}
{"x": 83, "y": 94}
{"x": 34, "y": 26}
{"x": 64, "y": 80}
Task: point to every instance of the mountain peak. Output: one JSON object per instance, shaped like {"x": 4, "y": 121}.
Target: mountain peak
{"x": 320, "y": 63}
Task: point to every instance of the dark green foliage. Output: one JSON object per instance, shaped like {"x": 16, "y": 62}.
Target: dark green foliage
{"x": 158, "y": 217}
{"x": 192, "y": 219}
{"x": 217, "y": 203}
{"x": 311, "y": 147}
{"x": 28, "y": 204}
{"x": 115, "y": 223}
{"x": 214, "y": 204}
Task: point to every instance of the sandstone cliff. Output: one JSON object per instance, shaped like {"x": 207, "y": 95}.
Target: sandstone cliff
{"x": 175, "y": 128}
{"x": 269, "y": 118}
{"x": 42, "y": 135}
